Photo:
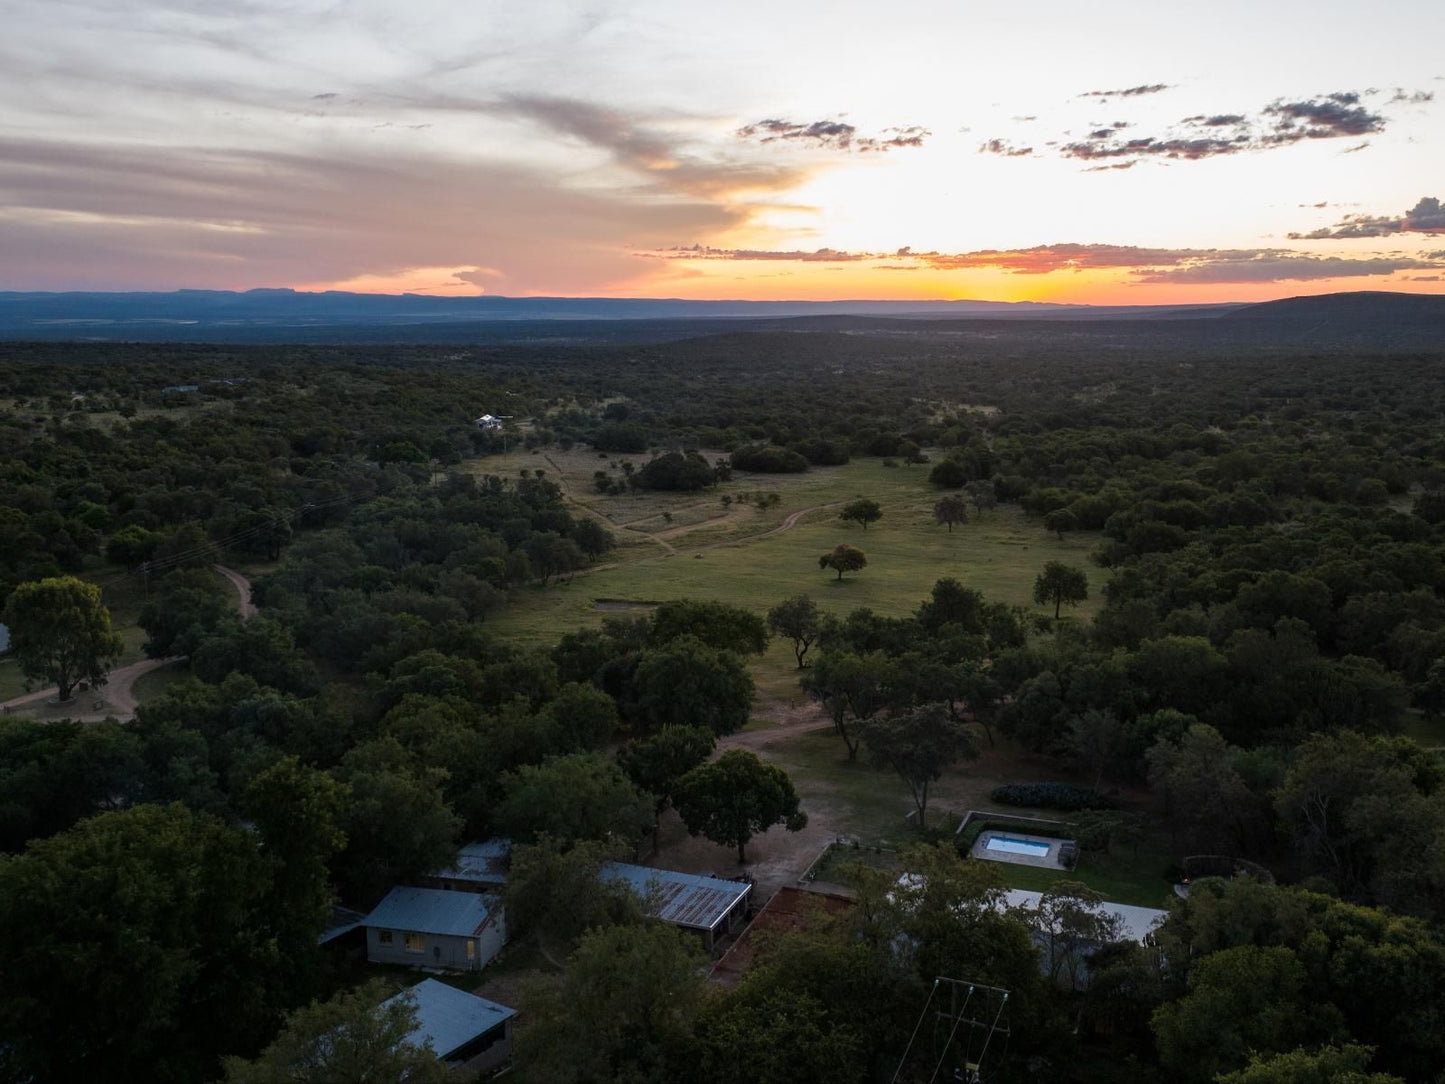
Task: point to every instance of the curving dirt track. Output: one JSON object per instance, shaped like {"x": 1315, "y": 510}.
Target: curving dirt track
{"x": 119, "y": 689}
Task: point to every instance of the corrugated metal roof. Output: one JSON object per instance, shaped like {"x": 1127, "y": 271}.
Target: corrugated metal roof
{"x": 483, "y": 863}
{"x": 685, "y": 899}
{"x": 449, "y": 1018}
{"x": 430, "y": 910}
{"x": 1134, "y": 922}
{"x": 343, "y": 921}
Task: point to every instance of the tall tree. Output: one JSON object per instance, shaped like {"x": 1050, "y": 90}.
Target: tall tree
{"x": 919, "y": 745}
{"x": 736, "y": 797}
{"x": 688, "y": 683}
{"x": 1060, "y": 583}
{"x": 862, "y": 512}
{"x": 1061, "y": 520}
{"x": 154, "y": 920}
{"x": 60, "y": 632}
{"x": 717, "y": 624}
{"x": 656, "y": 764}
{"x": 398, "y": 824}
{"x": 844, "y": 682}
{"x": 298, "y": 812}
{"x": 557, "y": 889}
{"x": 951, "y": 510}
{"x": 622, "y": 1011}
{"x": 359, "y": 1035}
{"x": 582, "y": 796}
{"x": 1345, "y": 1064}
{"x": 799, "y": 619}
{"x": 1241, "y": 1001}
{"x": 844, "y": 558}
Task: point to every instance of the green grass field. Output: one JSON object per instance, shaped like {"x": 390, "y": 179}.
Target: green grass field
{"x": 720, "y": 556}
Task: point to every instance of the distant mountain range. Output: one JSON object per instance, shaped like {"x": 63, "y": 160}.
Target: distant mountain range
{"x": 334, "y": 316}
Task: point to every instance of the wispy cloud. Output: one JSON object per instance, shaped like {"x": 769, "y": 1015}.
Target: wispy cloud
{"x": 1004, "y": 149}
{"x": 831, "y": 135}
{"x": 1141, "y": 264}
{"x": 1281, "y": 123}
{"x": 1129, "y": 92}
{"x": 1427, "y": 216}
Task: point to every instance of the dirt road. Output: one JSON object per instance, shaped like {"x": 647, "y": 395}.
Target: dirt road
{"x": 118, "y": 693}
{"x": 243, "y": 588}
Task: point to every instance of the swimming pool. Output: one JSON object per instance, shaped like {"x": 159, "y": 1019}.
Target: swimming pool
{"x": 1017, "y": 846}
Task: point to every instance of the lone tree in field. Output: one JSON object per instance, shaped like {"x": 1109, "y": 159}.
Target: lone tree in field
{"x": 951, "y": 510}
{"x": 1061, "y": 520}
{"x": 861, "y": 512}
{"x": 919, "y": 745}
{"x": 799, "y": 620}
{"x": 60, "y": 632}
{"x": 981, "y": 494}
{"x": 844, "y": 558}
{"x": 736, "y": 797}
{"x": 1060, "y": 583}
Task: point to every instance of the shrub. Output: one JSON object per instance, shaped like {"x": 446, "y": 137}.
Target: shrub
{"x": 768, "y": 460}
{"x": 1065, "y": 796}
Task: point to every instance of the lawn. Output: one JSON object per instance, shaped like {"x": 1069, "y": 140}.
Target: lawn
{"x": 1121, "y": 877}
{"x": 719, "y": 554}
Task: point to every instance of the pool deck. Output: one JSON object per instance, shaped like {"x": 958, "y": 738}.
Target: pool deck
{"x": 1043, "y": 861}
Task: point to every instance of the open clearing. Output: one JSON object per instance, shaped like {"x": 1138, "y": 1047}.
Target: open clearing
{"x": 742, "y": 556}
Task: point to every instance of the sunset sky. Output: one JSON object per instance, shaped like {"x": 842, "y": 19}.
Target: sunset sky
{"x": 1118, "y": 153}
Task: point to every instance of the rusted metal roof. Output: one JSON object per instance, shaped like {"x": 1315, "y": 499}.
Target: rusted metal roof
{"x": 684, "y": 899}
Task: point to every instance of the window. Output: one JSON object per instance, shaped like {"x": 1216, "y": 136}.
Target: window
{"x": 383, "y": 937}
{"x": 415, "y": 942}
{"x": 471, "y": 949}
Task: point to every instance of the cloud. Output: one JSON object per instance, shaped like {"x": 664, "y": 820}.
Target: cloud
{"x": 1143, "y": 264}
{"x": 1427, "y": 216}
{"x": 1282, "y": 123}
{"x": 1004, "y": 149}
{"x": 1216, "y": 120}
{"x": 667, "y": 161}
{"x": 112, "y": 215}
{"x": 705, "y": 252}
{"x": 1330, "y": 117}
{"x": 832, "y": 135}
{"x": 1280, "y": 267}
{"x": 1417, "y": 97}
{"x": 1129, "y": 92}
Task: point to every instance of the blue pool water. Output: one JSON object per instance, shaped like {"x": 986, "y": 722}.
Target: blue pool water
{"x": 1017, "y": 846}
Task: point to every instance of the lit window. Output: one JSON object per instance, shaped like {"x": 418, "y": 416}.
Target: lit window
{"x": 415, "y": 942}
{"x": 383, "y": 936}
{"x": 471, "y": 949}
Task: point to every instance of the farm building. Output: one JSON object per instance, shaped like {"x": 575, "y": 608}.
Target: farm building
{"x": 489, "y": 421}
{"x": 461, "y": 931}
{"x": 466, "y": 1031}
{"x": 480, "y": 867}
{"x": 712, "y": 907}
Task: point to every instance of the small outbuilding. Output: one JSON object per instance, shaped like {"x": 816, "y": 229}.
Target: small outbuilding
{"x": 710, "y": 906}
{"x": 480, "y": 867}
{"x": 466, "y": 1031}
{"x": 489, "y": 421}
{"x": 432, "y": 927}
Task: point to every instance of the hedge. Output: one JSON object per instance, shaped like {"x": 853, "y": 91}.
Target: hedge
{"x": 1065, "y": 796}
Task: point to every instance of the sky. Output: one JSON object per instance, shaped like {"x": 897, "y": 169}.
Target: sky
{"x": 1110, "y": 153}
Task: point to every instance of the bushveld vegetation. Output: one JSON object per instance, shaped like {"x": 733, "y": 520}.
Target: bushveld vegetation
{"x": 1257, "y": 662}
